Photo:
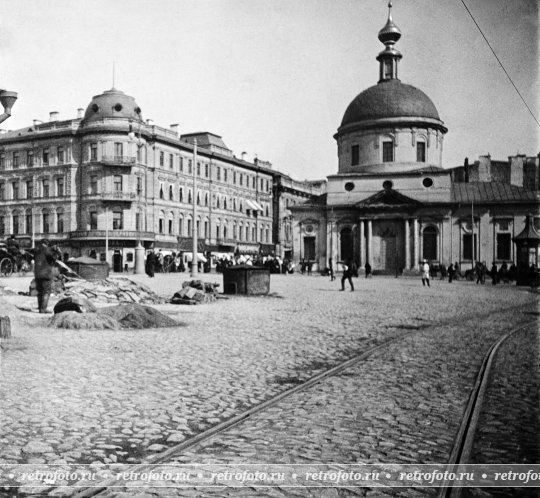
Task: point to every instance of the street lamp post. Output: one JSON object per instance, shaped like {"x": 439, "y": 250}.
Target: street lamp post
{"x": 194, "y": 269}
{"x": 7, "y": 99}
{"x": 139, "y": 249}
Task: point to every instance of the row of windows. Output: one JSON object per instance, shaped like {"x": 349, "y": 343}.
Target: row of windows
{"x": 24, "y": 224}
{"x": 168, "y": 160}
{"x": 388, "y": 152}
{"x": 12, "y": 190}
{"x": 243, "y": 233}
{"x": 503, "y": 246}
{"x": 27, "y": 158}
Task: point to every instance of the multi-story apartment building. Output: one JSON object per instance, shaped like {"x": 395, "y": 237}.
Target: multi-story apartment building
{"x": 99, "y": 184}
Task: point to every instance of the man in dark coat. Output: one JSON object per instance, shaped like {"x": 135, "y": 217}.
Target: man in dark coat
{"x": 151, "y": 261}
{"x": 347, "y": 275}
{"x": 43, "y": 272}
{"x": 13, "y": 246}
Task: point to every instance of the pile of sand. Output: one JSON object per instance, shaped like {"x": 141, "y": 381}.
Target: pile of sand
{"x": 123, "y": 316}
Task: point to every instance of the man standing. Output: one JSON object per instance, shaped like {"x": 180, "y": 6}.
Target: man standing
{"x": 425, "y": 273}
{"x": 347, "y": 275}
{"x": 43, "y": 272}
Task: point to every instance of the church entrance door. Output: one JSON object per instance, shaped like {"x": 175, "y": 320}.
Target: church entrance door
{"x": 388, "y": 253}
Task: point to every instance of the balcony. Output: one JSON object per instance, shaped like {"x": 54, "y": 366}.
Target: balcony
{"x": 112, "y": 234}
{"x": 118, "y": 196}
{"x": 125, "y": 161}
{"x": 112, "y": 196}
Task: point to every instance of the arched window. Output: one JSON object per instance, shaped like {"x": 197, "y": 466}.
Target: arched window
{"x": 60, "y": 220}
{"x": 171, "y": 195}
{"x": 429, "y": 243}
{"x": 388, "y": 150}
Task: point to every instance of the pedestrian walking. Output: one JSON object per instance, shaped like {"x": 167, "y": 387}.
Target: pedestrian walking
{"x": 44, "y": 259}
{"x": 480, "y": 271}
{"x": 425, "y": 273}
{"x": 494, "y": 274}
{"x": 451, "y": 273}
{"x": 309, "y": 267}
{"x": 151, "y": 260}
{"x": 347, "y": 275}
{"x": 367, "y": 267}
{"x": 331, "y": 270}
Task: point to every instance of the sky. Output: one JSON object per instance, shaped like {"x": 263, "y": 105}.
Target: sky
{"x": 273, "y": 77}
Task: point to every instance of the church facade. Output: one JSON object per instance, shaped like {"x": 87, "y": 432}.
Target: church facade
{"x": 392, "y": 204}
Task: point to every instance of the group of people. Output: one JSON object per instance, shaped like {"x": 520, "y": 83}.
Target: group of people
{"x": 157, "y": 262}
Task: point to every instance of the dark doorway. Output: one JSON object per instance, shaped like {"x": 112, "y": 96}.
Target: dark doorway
{"x": 347, "y": 249}
{"x": 117, "y": 262}
{"x": 309, "y": 248}
{"x": 429, "y": 248}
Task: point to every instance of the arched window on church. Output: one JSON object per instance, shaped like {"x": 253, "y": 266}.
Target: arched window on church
{"x": 420, "y": 151}
{"x": 429, "y": 244}
{"x": 388, "y": 151}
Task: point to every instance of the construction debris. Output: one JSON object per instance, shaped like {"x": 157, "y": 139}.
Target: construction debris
{"x": 137, "y": 316}
{"x": 195, "y": 292}
{"x": 74, "y": 303}
{"x": 88, "y": 321}
{"x": 122, "y": 316}
{"x": 109, "y": 290}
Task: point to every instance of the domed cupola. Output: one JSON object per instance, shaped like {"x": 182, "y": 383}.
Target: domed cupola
{"x": 391, "y": 125}
{"x": 112, "y": 104}
{"x": 389, "y": 99}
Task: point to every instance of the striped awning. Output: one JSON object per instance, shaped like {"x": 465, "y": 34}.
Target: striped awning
{"x": 254, "y": 206}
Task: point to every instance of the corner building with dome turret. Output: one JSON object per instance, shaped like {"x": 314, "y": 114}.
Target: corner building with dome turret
{"x": 392, "y": 204}
{"x": 102, "y": 183}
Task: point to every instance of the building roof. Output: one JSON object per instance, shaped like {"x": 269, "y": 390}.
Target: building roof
{"x": 491, "y": 192}
{"x": 204, "y": 139}
{"x": 112, "y": 104}
{"x": 389, "y": 99}
{"x": 388, "y": 199}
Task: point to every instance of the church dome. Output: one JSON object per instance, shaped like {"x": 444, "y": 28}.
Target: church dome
{"x": 389, "y": 99}
{"x": 112, "y": 104}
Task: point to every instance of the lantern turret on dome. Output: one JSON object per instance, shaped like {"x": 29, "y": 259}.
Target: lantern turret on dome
{"x": 389, "y": 57}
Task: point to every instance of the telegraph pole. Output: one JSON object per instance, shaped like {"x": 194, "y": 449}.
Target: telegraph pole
{"x": 194, "y": 269}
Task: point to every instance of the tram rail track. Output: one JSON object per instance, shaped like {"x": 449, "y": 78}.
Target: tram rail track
{"x": 238, "y": 419}
{"x": 462, "y": 448}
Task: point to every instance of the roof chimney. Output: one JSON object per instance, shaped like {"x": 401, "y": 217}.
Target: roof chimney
{"x": 37, "y": 122}
{"x": 80, "y": 113}
{"x": 53, "y": 116}
{"x": 150, "y": 122}
{"x": 174, "y": 127}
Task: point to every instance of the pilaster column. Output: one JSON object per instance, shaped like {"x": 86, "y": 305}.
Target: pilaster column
{"x": 415, "y": 244}
{"x": 369, "y": 245}
{"x": 407, "y": 245}
{"x": 362, "y": 244}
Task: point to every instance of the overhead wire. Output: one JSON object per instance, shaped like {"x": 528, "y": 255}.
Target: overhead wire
{"x": 500, "y": 63}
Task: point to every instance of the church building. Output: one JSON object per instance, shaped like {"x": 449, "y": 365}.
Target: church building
{"x": 392, "y": 204}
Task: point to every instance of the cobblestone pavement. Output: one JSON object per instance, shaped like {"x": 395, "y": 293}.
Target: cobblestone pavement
{"x": 118, "y": 396}
{"x": 508, "y": 427}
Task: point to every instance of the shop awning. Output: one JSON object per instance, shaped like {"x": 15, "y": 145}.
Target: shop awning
{"x": 200, "y": 257}
{"x": 254, "y": 206}
{"x": 185, "y": 244}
